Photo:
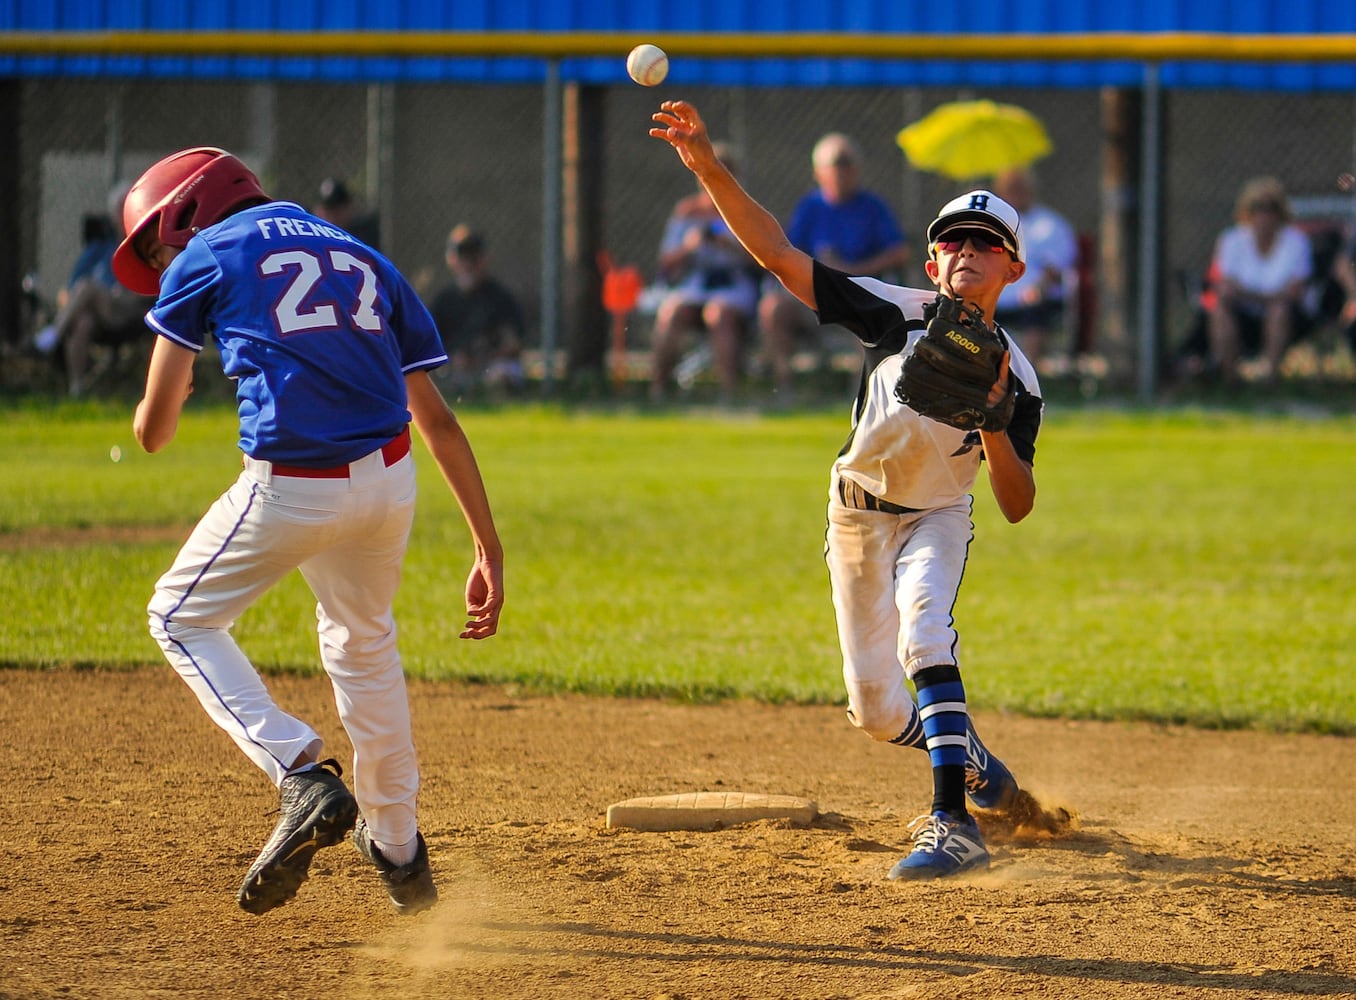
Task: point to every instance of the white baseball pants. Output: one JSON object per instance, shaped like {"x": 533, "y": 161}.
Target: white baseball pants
{"x": 347, "y": 536}
{"x": 895, "y": 578}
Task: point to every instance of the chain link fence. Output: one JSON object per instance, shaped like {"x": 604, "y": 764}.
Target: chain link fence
{"x": 423, "y": 157}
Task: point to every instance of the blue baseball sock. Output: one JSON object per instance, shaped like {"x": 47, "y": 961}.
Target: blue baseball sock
{"x": 913, "y": 735}
{"x": 941, "y": 707}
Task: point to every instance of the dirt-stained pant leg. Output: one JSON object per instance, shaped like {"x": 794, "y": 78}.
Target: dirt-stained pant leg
{"x": 894, "y": 580}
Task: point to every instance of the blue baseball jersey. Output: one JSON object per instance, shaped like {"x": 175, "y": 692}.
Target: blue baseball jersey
{"x": 317, "y": 329}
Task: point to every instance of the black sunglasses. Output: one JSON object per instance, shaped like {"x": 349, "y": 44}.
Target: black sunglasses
{"x": 953, "y": 241}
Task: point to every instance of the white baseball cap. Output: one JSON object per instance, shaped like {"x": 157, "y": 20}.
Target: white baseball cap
{"x": 981, "y": 210}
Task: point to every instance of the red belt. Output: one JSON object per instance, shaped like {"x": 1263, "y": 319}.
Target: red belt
{"x": 391, "y": 452}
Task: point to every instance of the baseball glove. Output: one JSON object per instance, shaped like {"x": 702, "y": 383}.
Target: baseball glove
{"x": 953, "y": 366}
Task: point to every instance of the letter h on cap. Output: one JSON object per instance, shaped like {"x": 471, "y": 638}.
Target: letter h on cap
{"x": 980, "y": 202}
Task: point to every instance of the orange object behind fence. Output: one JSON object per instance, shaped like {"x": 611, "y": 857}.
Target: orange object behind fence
{"x": 621, "y": 291}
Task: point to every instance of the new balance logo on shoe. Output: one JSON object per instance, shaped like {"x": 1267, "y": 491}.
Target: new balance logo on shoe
{"x": 961, "y": 850}
{"x": 943, "y": 845}
{"x": 988, "y": 782}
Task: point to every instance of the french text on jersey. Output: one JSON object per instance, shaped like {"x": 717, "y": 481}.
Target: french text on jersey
{"x": 274, "y": 227}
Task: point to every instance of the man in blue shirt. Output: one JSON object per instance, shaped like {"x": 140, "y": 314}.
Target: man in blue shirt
{"x": 330, "y": 350}
{"x": 94, "y": 310}
{"x": 842, "y": 225}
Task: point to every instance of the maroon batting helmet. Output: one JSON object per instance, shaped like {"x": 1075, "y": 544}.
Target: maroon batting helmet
{"x": 180, "y": 195}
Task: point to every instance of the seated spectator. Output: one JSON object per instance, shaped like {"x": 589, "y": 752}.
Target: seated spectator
{"x": 843, "y": 225}
{"x": 95, "y": 309}
{"x": 1263, "y": 264}
{"x": 1325, "y": 299}
{"x": 1033, "y": 308}
{"x": 335, "y": 204}
{"x": 708, "y": 284}
{"x": 479, "y": 319}
{"x": 1344, "y": 275}
{"x": 1192, "y": 357}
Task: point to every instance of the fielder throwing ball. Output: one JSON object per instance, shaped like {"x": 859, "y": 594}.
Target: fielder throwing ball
{"x": 899, "y": 513}
{"x": 330, "y": 349}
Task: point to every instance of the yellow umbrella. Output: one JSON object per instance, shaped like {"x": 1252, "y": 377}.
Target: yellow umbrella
{"x": 966, "y": 139}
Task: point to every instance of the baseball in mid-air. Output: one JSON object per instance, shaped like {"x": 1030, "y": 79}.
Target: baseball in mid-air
{"x": 648, "y": 65}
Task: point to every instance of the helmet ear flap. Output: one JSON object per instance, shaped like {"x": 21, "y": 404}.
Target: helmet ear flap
{"x": 179, "y": 218}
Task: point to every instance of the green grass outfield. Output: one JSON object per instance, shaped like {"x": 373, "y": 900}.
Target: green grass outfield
{"x": 1187, "y": 567}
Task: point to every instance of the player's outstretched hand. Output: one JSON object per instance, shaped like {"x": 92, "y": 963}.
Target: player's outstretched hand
{"x": 681, "y": 126}
{"x": 484, "y": 599}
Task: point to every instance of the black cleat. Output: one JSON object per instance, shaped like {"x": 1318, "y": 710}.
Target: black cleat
{"x": 410, "y": 886}
{"x": 317, "y": 811}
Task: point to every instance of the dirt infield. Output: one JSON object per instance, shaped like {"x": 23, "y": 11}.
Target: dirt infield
{"x": 1204, "y": 864}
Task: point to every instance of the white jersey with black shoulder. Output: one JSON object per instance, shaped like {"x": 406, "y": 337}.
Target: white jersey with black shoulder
{"x": 893, "y": 453}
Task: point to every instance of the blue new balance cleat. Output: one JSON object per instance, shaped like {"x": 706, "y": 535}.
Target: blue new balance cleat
{"x": 942, "y": 846}
{"x": 988, "y": 782}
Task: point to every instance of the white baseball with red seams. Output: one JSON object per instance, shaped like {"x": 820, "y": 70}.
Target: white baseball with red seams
{"x": 648, "y": 65}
